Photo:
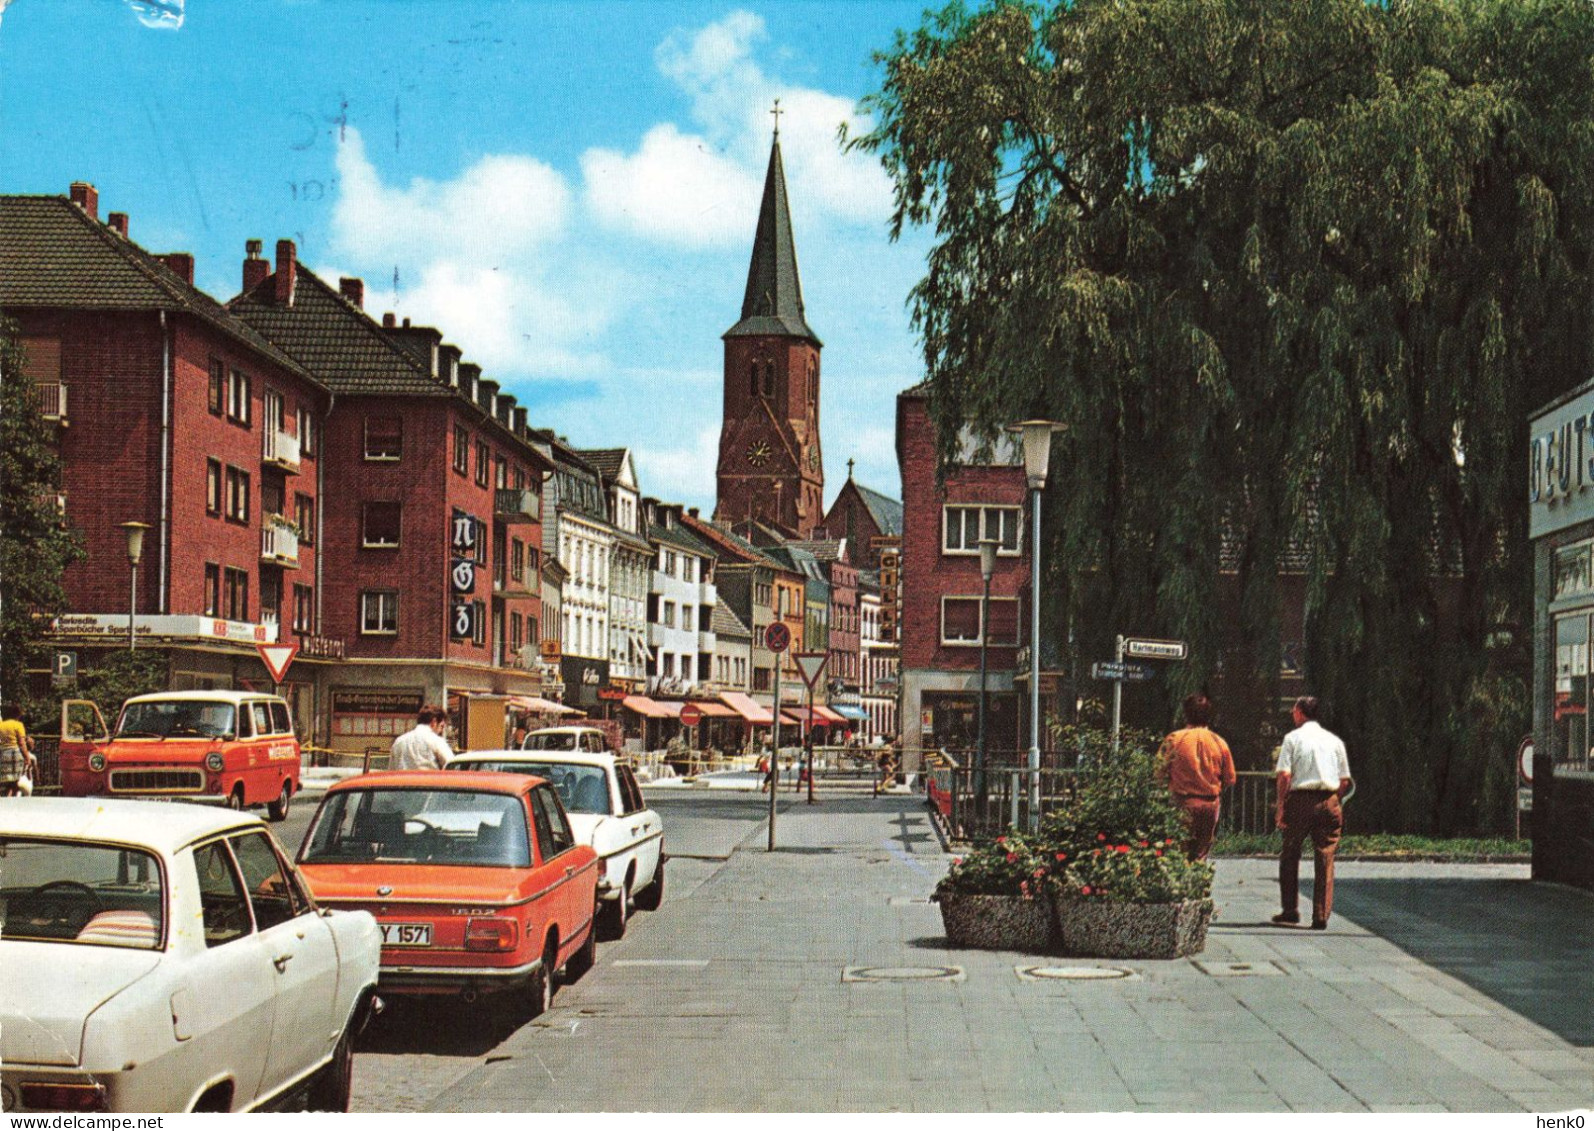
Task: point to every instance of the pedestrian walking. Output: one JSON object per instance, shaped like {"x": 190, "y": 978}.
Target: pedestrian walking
{"x": 888, "y": 771}
{"x": 423, "y": 748}
{"x": 18, "y": 766}
{"x": 1198, "y": 767}
{"x": 1313, "y": 777}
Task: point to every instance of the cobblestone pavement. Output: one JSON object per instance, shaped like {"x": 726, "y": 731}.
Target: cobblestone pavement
{"x": 1437, "y": 988}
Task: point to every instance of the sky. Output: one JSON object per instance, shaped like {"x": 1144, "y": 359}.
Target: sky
{"x": 568, "y": 191}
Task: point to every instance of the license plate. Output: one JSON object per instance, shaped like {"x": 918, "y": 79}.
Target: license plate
{"x": 406, "y": 934}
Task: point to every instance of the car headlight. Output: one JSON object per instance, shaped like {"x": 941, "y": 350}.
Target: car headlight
{"x": 214, "y": 762}
{"x": 97, "y": 763}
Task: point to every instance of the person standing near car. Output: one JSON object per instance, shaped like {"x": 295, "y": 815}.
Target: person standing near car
{"x": 423, "y": 748}
{"x": 16, "y": 752}
{"x": 1313, "y": 778}
{"x": 1198, "y": 767}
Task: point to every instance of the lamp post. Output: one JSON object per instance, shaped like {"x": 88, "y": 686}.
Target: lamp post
{"x": 1037, "y": 439}
{"x": 987, "y": 568}
{"x": 135, "y": 551}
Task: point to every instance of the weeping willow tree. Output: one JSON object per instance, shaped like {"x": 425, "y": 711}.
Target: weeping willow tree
{"x": 1295, "y": 275}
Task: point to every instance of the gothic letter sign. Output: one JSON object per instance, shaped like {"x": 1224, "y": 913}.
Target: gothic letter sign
{"x": 464, "y": 576}
{"x": 462, "y": 622}
{"x": 463, "y": 538}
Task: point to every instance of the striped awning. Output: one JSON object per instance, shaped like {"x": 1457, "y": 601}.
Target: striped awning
{"x": 646, "y": 707}
{"x": 848, "y": 711}
{"x": 744, "y": 706}
{"x": 824, "y": 714}
{"x": 714, "y": 710}
{"x": 535, "y": 705}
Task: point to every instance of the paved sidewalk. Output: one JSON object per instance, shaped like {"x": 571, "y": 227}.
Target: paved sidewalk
{"x": 1438, "y": 988}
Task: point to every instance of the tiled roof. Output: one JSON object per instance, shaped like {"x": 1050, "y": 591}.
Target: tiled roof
{"x": 606, "y": 461}
{"x": 332, "y": 337}
{"x": 53, "y": 255}
{"x": 773, "y": 300}
{"x": 824, "y": 550}
{"x": 681, "y": 538}
{"x": 886, "y": 511}
{"x": 725, "y": 622}
{"x": 729, "y": 543}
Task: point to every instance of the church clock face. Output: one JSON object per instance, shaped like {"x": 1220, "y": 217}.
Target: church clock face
{"x": 758, "y": 453}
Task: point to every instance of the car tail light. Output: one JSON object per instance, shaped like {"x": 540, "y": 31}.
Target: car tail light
{"x": 63, "y": 1097}
{"x": 491, "y": 934}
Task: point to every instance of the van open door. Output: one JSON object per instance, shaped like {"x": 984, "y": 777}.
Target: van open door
{"x": 83, "y": 731}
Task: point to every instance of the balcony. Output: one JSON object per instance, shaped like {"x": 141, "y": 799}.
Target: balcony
{"x": 279, "y": 542}
{"x": 281, "y": 451}
{"x": 515, "y": 506}
{"x": 706, "y": 642}
{"x": 52, "y": 402}
{"x": 707, "y": 595}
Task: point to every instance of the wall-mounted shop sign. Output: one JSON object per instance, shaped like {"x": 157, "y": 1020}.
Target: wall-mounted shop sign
{"x": 1561, "y": 466}
{"x": 463, "y": 575}
{"x": 462, "y": 620}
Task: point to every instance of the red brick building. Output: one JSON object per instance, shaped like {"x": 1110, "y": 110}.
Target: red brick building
{"x": 173, "y": 412}
{"x": 434, "y": 534}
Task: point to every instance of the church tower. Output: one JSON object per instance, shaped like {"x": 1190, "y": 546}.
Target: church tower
{"x": 770, "y": 466}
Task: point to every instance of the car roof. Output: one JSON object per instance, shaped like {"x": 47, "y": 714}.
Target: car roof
{"x": 233, "y": 697}
{"x": 438, "y": 779}
{"x": 165, "y": 827}
{"x": 558, "y": 757}
{"x": 566, "y": 730}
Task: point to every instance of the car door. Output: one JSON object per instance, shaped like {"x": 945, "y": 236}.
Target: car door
{"x": 298, "y": 946}
{"x": 566, "y": 903}
{"x": 642, "y": 824}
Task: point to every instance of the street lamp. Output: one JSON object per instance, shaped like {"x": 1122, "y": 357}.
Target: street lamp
{"x": 1037, "y": 438}
{"x": 988, "y": 548}
{"x": 135, "y": 551}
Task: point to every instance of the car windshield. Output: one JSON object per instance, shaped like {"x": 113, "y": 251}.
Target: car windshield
{"x": 71, "y": 892}
{"x": 177, "y": 718}
{"x": 552, "y": 740}
{"x": 419, "y": 826}
{"x": 583, "y": 789}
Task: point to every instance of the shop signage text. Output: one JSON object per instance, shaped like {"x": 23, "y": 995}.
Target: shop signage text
{"x": 177, "y": 628}
{"x": 1561, "y": 467}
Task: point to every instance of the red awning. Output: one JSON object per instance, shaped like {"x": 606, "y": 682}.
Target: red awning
{"x": 788, "y": 719}
{"x": 744, "y": 706}
{"x": 714, "y": 710}
{"x": 670, "y": 707}
{"x": 646, "y": 707}
{"x": 826, "y": 715}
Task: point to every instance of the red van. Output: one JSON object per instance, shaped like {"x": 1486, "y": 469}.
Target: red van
{"x": 233, "y": 748}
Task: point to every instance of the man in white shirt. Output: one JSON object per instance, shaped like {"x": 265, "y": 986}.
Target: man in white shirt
{"x": 1313, "y": 776}
{"x": 423, "y": 748}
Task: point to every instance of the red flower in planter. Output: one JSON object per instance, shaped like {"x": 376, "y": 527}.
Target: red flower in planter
{"x": 1144, "y": 844}
{"x": 1040, "y": 873}
{"x": 1085, "y": 890}
{"x": 1159, "y": 852}
{"x": 1123, "y": 848}
{"x": 1001, "y": 840}
{"x": 1012, "y": 858}
{"x": 1062, "y": 856}
{"x": 1101, "y": 836}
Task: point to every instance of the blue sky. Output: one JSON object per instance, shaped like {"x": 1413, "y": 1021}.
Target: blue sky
{"x": 567, "y": 190}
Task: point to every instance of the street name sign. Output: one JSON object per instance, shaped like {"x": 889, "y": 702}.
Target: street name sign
{"x": 1117, "y": 669}
{"x": 1154, "y": 649}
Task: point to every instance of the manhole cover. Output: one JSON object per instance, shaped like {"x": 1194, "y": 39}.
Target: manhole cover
{"x": 902, "y": 974}
{"x": 1071, "y": 973}
{"x": 1238, "y": 969}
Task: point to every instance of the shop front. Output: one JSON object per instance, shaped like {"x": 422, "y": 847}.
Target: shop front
{"x": 1561, "y": 525}
{"x": 584, "y": 678}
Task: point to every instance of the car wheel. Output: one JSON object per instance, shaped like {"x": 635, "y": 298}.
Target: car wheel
{"x": 650, "y": 897}
{"x": 583, "y": 959}
{"x": 541, "y": 988}
{"x": 278, "y": 809}
{"x": 334, "y": 1083}
{"x": 235, "y": 800}
{"x": 612, "y": 913}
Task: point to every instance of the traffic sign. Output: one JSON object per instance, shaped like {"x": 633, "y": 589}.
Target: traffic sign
{"x": 691, "y": 715}
{"x": 1525, "y": 760}
{"x": 1155, "y": 649}
{"x": 1118, "y": 669}
{"x": 277, "y": 657}
{"x": 65, "y": 665}
{"x": 810, "y": 664}
{"x": 777, "y": 637}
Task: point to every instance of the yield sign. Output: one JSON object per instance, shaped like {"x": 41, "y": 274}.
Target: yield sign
{"x": 810, "y": 664}
{"x": 277, "y": 657}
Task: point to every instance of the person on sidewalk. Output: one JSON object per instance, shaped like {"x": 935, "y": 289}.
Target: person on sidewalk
{"x": 1313, "y": 775}
{"x": 1198, "y": 767}
{"x": 423, "y": 748}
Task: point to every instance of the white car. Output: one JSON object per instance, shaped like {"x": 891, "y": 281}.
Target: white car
{"x": 607, "y": 811}
{"x": 162, "y": 958}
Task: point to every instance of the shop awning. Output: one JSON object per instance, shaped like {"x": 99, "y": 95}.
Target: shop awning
{"x": 714, "y": 710}
{"x": 848, "y": 711}
{"x": 823, "y": 714}
{"x": 788, "y": 719}
{"x": 646, "y": 707}
{"x": 535, "y": 705}
{"x": 670, "y": 707}
{"x": 744, "y": 706}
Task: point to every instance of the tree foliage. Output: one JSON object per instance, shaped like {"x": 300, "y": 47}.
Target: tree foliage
{"x": 1295, "y": 275}
{"x": 35, "y": 546}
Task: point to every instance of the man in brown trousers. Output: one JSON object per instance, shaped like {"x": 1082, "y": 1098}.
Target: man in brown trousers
{"x": 1197, "y": 765}
{"x": 1313, "y": 777}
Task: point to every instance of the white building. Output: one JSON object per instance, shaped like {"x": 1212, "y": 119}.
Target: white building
{"x": 878, "y": 663}
{"x": 681, "y": 603}
{"x": 631, "y": 564}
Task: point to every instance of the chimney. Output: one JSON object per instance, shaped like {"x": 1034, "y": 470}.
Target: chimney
{"x": 179, "y": 263}
{"x": 255, "y": 268}
{"x": 353, "y": 290}
{"x": 86, "y": 197}
{"x": 388, "y": 321}
{"x": 693, "y": 512}
{"x": 287, "y": 270}
{"x": 118, "y": 222}
{"x": 520, "y": 420}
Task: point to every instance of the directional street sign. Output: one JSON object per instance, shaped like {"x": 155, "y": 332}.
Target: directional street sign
{"x": 277, "y": 657}
{"x": 1154, "y": 649}
{"x": 1109, "y": 669}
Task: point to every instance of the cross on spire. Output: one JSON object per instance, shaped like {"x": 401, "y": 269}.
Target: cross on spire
{"x": 849, "y": 469}
{"x": 777, "y": 112}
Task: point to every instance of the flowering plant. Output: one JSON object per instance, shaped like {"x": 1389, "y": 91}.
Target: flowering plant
{"x": 1137, "y": 871}
{"x": 1008, "y": 865}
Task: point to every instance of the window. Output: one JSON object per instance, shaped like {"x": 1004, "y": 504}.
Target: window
{"x": 218, "y": 387}
{"x": 275, "y": 898}
{"x": 501, "y": 473}
{"x": 271, "y": 497}
{"x": 212, "y": 589}
{"x": 752, "y": 379}
{"x": 669, "y": 562}
{"x": 517, "y": 559}
{"x": 960, "y": 620}
{"x": 669, "y": 614}
{"x": 238, "y": 398}
{"x": 461, "y": 450}
{"x": 379, "y": 612}
{"x": 761, "y": 679}
{"x": 384, "y": 437}
{"x": 687, "y": 619}
{"x": 962, "y": 529}
{"x": 813, "y": 380}
{"x": 235, "y": 594}
{"x": 304, "y": 518}
{"x": 307, "y": 433}
{"x": 478, "y": 634}
{"x": 1003, "y": 620}
{"x": 769, "y": 378}
{"x": 379, "y": 526}
{"x": 237, "y": 495}
{"x": 212, "y": 487}
{"x": 224, "y": 908}
{"x": 303, "y": 609}
{"x": 516, "y": 631}
{"x": 483, "y": 460}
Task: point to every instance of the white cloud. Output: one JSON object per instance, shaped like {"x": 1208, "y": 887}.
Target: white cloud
{"x": 680, "y": 472}
{"x": 675, "y": 189}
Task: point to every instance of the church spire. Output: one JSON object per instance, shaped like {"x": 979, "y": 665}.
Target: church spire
{"x": 773, "y": 301}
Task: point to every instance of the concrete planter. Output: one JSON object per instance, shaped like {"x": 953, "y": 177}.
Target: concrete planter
{"x": 1103, "y": 929}
{"x": 997, "y": 922}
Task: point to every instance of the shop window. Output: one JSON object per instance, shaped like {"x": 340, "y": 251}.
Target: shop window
{"x": 1574, "y": 570}
{"x": 1569, "y": 712}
